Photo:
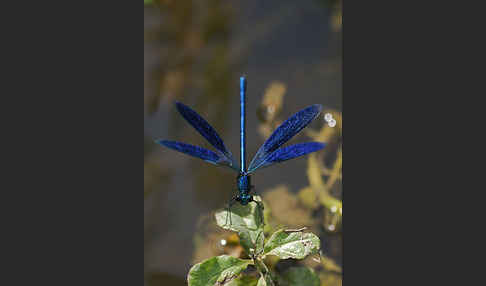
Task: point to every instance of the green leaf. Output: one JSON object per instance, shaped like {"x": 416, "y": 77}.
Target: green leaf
{"x": 301, "y": 276}
{"x": 291, "y": 244}
{"x": 220, "y": 269}
{"x": 249, "y": 217}
{"x": 247, "y": 221}
{"x": 147, "y": 2}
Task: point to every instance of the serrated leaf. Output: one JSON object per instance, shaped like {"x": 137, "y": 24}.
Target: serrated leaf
{"x": 300, "y": 276}
{"x": 247, "y": 221}
{"x": 220, "y": 269}
{"x": 291, "y": 244}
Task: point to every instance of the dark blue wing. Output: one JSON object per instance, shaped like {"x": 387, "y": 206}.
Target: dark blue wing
{"x": 206, "y": 130}
{"x": 195, "y": 151}
{"x": 287, "y": 153}
{"x": 285, "y": 132}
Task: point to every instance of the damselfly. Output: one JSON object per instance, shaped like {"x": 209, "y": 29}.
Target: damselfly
{"x": 268, "y": 154}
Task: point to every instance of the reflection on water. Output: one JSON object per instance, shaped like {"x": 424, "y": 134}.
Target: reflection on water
{"x": 195, "y": 52}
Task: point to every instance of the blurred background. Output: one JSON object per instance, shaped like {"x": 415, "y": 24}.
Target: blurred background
{"x": 195, "y": 52}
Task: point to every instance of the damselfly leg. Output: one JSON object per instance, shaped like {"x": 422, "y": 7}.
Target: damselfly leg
{"x": 259, "y": 203}
{"x": 231, "y": 202}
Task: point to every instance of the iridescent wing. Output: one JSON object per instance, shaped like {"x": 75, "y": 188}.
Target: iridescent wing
{"x": 290, "y": 152}
{"x": 284, "y": 133}
{"x": 224, "y": 156}
{"x": 195, "y": 151}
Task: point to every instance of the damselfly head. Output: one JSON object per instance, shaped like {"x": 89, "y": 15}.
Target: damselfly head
{"x": 244, "y": 198}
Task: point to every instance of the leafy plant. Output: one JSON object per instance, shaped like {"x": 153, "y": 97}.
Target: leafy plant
{"x": 248, "y": 222}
